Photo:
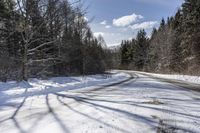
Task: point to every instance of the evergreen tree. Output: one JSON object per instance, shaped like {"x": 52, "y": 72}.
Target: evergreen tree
{"x": 126, "y": 54}
{"x": 176, "y": 57}
{"x": 152, "y": 54}
{"x": 191, "y": 30}
{"x": 141, "y": 49}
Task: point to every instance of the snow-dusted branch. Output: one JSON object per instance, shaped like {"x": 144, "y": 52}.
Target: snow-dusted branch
{"x": 40, "y": 46}
{"x": 41, "y": 60}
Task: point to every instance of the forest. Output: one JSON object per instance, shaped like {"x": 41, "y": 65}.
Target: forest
{"x": 174, "y": 47}
{"x": 43, "y": 38}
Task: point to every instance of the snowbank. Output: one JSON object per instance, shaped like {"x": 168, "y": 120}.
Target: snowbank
{"x": 33, "y": 87}
{"x": 186, "y": 78}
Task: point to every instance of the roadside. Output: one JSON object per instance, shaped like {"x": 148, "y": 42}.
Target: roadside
{"x": 183, "y": 84}
{"x": 179, "y": 83}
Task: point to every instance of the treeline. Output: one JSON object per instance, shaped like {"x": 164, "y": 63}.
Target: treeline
{"x": 41, "y": 38}
{"x": 174, "y": 47}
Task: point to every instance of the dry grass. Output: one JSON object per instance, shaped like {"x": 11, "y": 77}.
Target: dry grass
{"x": 154, "y": 102}
{"x": 164, "y": 128}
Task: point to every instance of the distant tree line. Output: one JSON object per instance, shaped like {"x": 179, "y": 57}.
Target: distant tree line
{"x": 174, "y": 47}
{"x": 41, "y": 38}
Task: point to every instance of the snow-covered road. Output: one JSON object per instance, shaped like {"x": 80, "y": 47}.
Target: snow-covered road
{"x": 138, "y": 105}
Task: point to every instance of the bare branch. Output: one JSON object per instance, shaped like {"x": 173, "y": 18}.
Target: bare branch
{"x": 40, "y": 46}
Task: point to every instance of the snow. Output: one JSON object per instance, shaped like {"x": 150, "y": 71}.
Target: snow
{"x": 87, "y": 105}
{"x": 186, "y": 78}
{"x": 33, "y": 87}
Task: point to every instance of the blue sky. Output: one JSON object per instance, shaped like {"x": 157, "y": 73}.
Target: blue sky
{"x": 117, "y": 20}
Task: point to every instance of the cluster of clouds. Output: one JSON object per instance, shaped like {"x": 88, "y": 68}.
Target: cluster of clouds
{"x": 127, "y": 20}
{"x": 130, "y": 21}
{"x": 144, "y": 25}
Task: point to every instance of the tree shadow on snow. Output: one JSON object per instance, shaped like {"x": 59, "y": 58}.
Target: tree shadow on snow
{"x": 55, "y": 116}
{"x": 13, "y": 117}
{"x": 129, "y": 115}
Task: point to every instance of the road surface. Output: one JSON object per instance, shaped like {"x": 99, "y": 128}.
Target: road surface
{"x": 140, "y": 104}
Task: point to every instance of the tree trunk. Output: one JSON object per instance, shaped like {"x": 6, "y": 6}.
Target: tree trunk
{"x": 24, "y": 65}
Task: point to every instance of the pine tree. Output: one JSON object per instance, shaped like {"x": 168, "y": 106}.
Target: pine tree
{"x": 126, "y": 53}
{"x": 162, "y": 24}
{"x": 176, "y": 57}
{"x": 191, "y": 22}
{"x": 141, "y": 49}
{"x": 153, "y": 54}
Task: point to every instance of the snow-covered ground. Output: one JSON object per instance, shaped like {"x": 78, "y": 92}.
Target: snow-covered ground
{"x": 33, "y": 87}
{"x": 186, "y": 78}
{"x": 74, "y": 105}
{"x": 192, "y": 79}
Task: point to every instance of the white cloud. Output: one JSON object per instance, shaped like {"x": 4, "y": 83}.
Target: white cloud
{"x": 86, "y": 19}
{"x": 114, "y": 44}
{"x": 126, "y": 20}
{"x": 130, "y": 38}
{"x": 107, "y": 26}
{"x": 96, "y": 34}
{"x": 144, "y": 25}
{"x": 106, "y": 34}
{"x": 103, "y": 22}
